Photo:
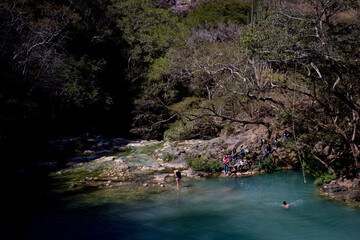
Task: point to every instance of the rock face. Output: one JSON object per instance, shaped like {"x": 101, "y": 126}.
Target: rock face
{"x": 342, "y": 189}
{"x": 251, "y": 140}
{"x": 182, "y": 6}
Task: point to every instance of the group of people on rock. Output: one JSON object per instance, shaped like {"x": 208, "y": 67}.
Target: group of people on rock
{"x": 235, "y": 161}
{"x": 268, "y": 150}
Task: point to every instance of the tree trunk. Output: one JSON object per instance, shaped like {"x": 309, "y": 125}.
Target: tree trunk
{"x": 326, "y": 165}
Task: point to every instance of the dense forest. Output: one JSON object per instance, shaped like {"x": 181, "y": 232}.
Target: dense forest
{"x": 145, "y": 69}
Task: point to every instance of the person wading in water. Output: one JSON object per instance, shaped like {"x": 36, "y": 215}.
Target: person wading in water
{"x": 178, "y": 177}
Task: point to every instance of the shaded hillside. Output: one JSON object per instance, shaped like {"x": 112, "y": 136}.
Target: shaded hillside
{"x": 222, "y": 66}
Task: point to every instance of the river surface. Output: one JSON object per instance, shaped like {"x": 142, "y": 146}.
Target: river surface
{"x": 217, "y": 208}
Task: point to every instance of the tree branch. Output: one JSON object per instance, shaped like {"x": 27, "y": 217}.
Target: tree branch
{"x": 325, "y": 164}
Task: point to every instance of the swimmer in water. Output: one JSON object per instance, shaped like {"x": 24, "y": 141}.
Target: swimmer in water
{"x": 285, "y": 205}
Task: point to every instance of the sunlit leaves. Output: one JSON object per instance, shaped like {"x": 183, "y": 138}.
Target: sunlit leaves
{"x": 147, "y": 29}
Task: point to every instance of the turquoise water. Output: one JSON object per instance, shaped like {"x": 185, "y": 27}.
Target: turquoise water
{"x": 246, "y": 208}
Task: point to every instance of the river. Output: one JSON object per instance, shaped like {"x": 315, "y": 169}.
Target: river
{"x": 216, "y": 208}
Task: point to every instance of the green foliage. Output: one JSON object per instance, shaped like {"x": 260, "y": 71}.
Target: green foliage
{"x": 148, "y": 30}
{"x": 313, "y": 167}
{"x": 324, "y": 179}
{"x": 267, "y": 165}
{"x": 168, "y": 157}
{"x": 205, "y": 164}
{"x": 125, "y": 149}
{"x": 219, "y": 12}
{"x": 268, "y": 39}
{"x": 80, "y": 82}
{"x": 190, "y": 129}
{"x": 159, "y": 68}
{"x": 286, "y": 117}
{"x": 189, "y": 125}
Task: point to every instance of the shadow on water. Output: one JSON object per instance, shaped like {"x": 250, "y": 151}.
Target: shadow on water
{"x": 234, "y": 208}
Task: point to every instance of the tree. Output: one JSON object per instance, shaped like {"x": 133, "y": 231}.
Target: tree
{"x": 328, "y": 55}
{"x": 296, "y": 61}
{"x": 147, "y": 30}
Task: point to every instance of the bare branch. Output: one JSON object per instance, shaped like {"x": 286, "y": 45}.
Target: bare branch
{"x": 325, "y": 164}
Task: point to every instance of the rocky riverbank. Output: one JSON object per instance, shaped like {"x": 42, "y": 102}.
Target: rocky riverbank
{"x": 142, "y": 166}
{"x": 147, "y": 166}
{"x": 344, "y": 190}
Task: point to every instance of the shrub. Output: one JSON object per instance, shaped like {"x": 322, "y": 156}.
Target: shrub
{"x": 191, "y": 128}
{"x": 267, "y": 165}
{"x": 324, "y": 179}
{"x": 317, "y": 170}
{"x": 220, "y": 11}
{"x": 313, "y": 166}
{"x": 168, "y": 157}
{"x": 204, "y": 164}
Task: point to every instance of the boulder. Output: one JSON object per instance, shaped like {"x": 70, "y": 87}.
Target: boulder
{"x": 354, "y": 195}
{"x": 178, "y": 164}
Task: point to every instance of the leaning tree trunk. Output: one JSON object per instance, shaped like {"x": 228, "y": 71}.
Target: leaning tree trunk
{"x": 325, "y": 164}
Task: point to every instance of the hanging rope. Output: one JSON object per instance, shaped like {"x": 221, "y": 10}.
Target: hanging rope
{"x": 293, "y": 127}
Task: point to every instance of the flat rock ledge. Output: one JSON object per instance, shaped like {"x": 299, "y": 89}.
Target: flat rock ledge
{"x": 344, "y": 190}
